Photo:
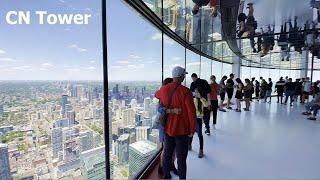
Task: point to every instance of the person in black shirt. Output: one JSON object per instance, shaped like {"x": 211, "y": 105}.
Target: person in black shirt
{"x": 298, "y": 90}
{"x": 269, "y": 90}
{"x": 205, "y": 87}
{"x": 280, "y": 89}
{"x": 290, "y": 89}
{"x": 229, "y": 89}
{"x": 257, "y": 90}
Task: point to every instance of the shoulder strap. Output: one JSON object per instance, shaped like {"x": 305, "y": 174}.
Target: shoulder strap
{"x": 171, "y": 94}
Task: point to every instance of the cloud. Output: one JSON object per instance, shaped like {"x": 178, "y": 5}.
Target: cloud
{"x": 193, "y": 64}
{"x": 76, "y": 47}
{"x": 2, "y": 51}
{"x": 22, "y": 68}
{"x": 5, "y": 59}
{"x": 62, "y": 1}
{"x": 158, "y": 36}
{"x": 135, "y": 67}
{"x": 91, "y": 68}
{"x": 176, "y": 59}
{"x": 115, "y": 67}
{"x": 67, "y": 29}
{"x": 92, "y": 62}
{"x": 47, "y": 65}
{"x": 73, "y": 69}
{"x": 134, "y": 56}
{"x": 123, "y": 62}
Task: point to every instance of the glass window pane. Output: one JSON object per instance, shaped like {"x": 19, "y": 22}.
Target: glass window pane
{"x": 205, "y": 69}
{"x": 134, "y": 75}
{"x": 193, "y": 66}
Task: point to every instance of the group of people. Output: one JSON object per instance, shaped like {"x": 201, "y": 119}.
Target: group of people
{"x": 187, "y": 109}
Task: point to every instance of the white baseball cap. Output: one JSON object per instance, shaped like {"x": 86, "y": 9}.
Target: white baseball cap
{"x": 178, "y": 71}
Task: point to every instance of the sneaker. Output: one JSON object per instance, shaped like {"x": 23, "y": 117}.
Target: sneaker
{"x": 229, "y": 107}
{"x": 189, "y": 147}
{"x": 312, "y": 118}
{"x": 174, "y": 169}
{"x": 306, "y": 113}
{"x": 200, "y": 155}
{"x": 207, "y": 132}
{"x": 238, "y": 110}
{"x": 223, "y": 110}
{"x": 245, "y": 109}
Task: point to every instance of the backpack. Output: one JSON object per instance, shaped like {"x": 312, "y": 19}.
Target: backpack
{"x": 162, "y": 110}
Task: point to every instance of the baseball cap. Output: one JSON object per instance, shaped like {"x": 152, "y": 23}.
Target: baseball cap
{"x": 178, "y": 71}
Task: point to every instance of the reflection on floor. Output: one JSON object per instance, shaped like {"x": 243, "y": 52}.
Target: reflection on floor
{"x": 270, "y": 142}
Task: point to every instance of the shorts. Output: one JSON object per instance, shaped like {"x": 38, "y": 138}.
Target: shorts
{"x": 268, "y": 93}
{"x": 230, "y": 93}
{"x": 239, "y": 95}
{"x": 306, "y": 93}
{"x": 222, "y": 96}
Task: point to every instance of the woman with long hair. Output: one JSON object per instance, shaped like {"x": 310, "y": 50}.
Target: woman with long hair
{"x": 247, "y": 94}
{"x": 239, "y": 94}
{"x": 200, "y": 103}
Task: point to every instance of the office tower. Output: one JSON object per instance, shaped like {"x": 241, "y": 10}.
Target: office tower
{"x": 63, "y": 123}
{"x": 128, "y": 117}
{"x": 64, "y": 101}
{"x": 95, "y": 93}
{"x": 56, "y": 140}
{"x": 86, "y": 140}
{"x": 74, "y": 91}
{"x": 140, "y": 153}
{"x": 133, "y": 103}
{"x": 123, "y": 148}
{"x": 1, "y": 110}
{"x": 146, "y": 103}
{"x": 70, "y": 150}
{"x": 98, "y": 113}
{"x": 71, "y": 115}
{"x": 142, "y": 133}
{"x": 146, "y": 121}
{"x": 93, "y": 164}
{"x": 4, "y": 163}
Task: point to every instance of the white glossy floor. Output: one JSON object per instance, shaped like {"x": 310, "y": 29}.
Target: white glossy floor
{"x": 272, "y": 141}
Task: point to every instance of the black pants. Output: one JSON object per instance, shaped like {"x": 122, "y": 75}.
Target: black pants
{"x": 199, "y": 132}
{"x": 180, "y": 143}
{"x": 280, "y": 96}
{"x": 215, "y": 106}
{"x": 206, "y": 117}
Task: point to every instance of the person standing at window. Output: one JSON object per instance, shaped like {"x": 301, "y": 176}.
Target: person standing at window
{"x": 280, "y": 89}
{"x": 214, "y": 99}
{"x": 269, "y": 90}
{"x": 257, "y": 89}
{"x": 179, "y": 126}
{"x": 230, "y": 89}
{"x": 205, "y": 87}
{"x": 306, "y": 89}
{"x": 222, "y": 93}
{"x": 289, "y": 89}
{"x": 239, "y": 94}
{"x": 247, "y": 94}
{"x": 200, "y": 103}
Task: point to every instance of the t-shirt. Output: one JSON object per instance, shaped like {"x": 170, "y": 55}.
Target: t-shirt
{"x": 269, "y": 86}
{"x": 307, "y": 86}
{"x": 230, "y": 84}
{"x": 280, "y": 86}
{"x": 290, "y": 86}
{"x": 214, "y": 91}
{"x": 222, "y": 87}
{"x": 203, "y": 84}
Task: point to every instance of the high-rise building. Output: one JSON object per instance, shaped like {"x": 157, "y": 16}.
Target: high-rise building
{"x": 142, "y": 133}
{"x": 86, "y": 140}
{"x": 4, "y": 163}
{"x": 74, "y": 91}
{"x": 64, "y": 101}
{"x": 93, "y": 164}
{"x": 128, "y": 117}
{"x": 71, "y": 115}
{"x": 56, "y": 140}
{"x": 140, "y": 153}
{"x": 1, "y": 110}
{"x": 63, "y": 123}
{"x": 123, "y": 148}
{"x": 146, "y": 103}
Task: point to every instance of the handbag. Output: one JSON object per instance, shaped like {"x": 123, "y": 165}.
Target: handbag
{"x": 162, "y": 110}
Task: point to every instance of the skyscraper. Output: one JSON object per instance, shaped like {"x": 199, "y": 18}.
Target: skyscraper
{"x": 140, "y": 153}
{"x": 93, "y": 164}
{"x": 56, "y": 140}
{"x": 123, "y": 148}
{"x": 142, "y": 133}
{"x": 71, "y": 115}
{"x": 86, "y": 140}
{"x": 4, "y": 163}
{"x": 64, "y": 101}
{"x": 1, "y": 110}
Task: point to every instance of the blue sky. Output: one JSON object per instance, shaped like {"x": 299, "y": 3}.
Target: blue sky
{"x": 51, "y": 52}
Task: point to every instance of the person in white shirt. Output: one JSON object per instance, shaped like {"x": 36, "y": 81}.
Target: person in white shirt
{"x": 306, "y": 89}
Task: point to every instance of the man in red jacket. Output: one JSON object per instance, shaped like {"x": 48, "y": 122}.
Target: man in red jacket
{"x": 181, "y": 121}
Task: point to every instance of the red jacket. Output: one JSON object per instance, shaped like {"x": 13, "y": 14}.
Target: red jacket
{"x": 185, "y": 122}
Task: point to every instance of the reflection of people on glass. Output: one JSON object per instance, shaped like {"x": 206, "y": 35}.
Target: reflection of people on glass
{"x": 248, "y": 25}
{"x": 283, "y": 43}
{"x": 212, "y": 3}
{"x": 267, "y": 40}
